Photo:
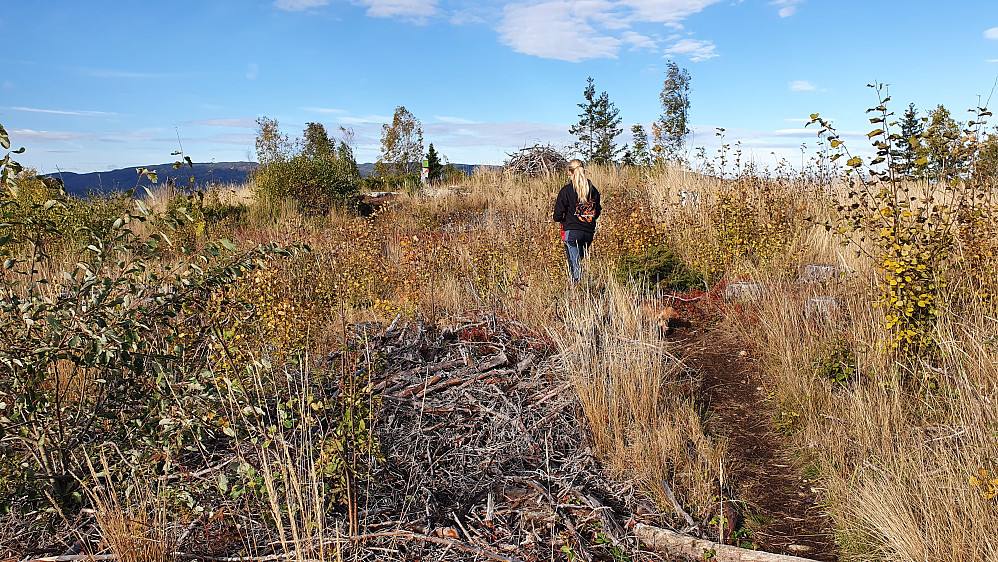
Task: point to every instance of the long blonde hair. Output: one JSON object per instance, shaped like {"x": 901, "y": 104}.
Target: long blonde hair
{"x": 579, "y": 180}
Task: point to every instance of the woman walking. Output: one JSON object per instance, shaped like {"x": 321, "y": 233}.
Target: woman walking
{"x": 577, "y": 208}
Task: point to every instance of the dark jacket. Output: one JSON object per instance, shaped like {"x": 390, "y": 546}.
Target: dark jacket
{"x": 573, "y": 216}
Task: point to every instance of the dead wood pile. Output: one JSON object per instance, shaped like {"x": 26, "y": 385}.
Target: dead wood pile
{"x": 484, "y": 458}
{"x": 536, "y": 160}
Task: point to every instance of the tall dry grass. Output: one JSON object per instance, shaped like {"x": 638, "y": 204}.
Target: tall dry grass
{"x": 640, "y": 402}
{"x": 137, "y": 528}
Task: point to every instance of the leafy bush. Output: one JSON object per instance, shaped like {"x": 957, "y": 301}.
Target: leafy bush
{"x": 316, "y": 183}
{"x": 658, "y": 268}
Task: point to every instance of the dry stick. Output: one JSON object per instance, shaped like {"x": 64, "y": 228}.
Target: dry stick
{"x": 672, "y": 543}
{"x": 690, "y": 524}
{"x": 438, "y": 540}
{"x": 558, "y": 511}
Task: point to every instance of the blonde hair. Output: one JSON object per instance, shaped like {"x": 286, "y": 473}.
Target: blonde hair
{"x": 579, "y": 180}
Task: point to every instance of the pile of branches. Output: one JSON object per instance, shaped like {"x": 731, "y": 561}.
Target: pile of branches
{"x": 537, "y": 160}
{"x": 483, "y": 458}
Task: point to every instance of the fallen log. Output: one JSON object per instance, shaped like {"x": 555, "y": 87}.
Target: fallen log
{"x": 672, "y": 543}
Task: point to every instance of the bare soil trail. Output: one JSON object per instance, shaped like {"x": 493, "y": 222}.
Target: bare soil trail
{"x": 782, "y": 504}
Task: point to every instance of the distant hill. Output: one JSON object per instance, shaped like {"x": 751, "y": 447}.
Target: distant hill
{"x": 204, "y": 173}
{"x": 123, "y": 179}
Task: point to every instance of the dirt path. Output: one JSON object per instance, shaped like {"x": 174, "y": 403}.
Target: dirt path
{"x": 764, "y": 474}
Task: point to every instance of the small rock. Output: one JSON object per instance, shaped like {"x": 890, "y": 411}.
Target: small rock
{"x": 798, "y": 548}
{"x": 742, "y": 353}
{"x": 824, "y": 310}
{"x": 744, "y": 291}
{"x": 820, "y": 272}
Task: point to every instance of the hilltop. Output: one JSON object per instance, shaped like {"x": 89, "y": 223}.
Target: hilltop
{"x": 204, "y": 173}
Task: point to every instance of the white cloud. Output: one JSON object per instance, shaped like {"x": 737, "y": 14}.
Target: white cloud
{"x": 667, "y": 11}
{"x": 238, "y": 122}
{"x": 299, "y": 5}
{"x": 697, "y": 51}
{"x": 577, "y": 30}
{"x": 639, "y": 41}
{"x": 991, "y": 33}
{"x": 466, "y": 17}
{"x": 415, "y": 10}
{"x": 61, "y": 111}
{"x": 787, "y": 7}
{"x": 453, "y": 120}
{"x": 251, "y": 71}
{"x": 991, "y": 60}
{"x": 802, "y": 86}
{"x": 322, "y": 110}
{"x": 556, "y": 29}
{"x": 29, "y": 135}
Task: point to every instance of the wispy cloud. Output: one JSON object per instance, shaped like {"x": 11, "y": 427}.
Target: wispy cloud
{"x": 802, "y": 86}
{"x": 453, "y": 120}
{"x": 30, "y": 135}
{"x": 697, "y": 51}
{"x": 414, "y": 10}
{"x": 322, "y": 110}
{"x": 299, "y": 5}
{"x": 466, "y": 17}
{"x": 556, "y": 29}
{"x": 8, "y": 85}
{"x": 787, "y": 8}
{"x": 61, "y": 111}
{"x": 251, "y": 71}
{"x": 577, "y": 30}
{"x": 665, "y": 11}
{"x": 639, "y": 41}
{"x": 991, "y": 33}
{"x": 236, "y": 122}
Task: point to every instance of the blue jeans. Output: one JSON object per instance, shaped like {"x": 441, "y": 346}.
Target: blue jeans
{"x": 576, "y": 244}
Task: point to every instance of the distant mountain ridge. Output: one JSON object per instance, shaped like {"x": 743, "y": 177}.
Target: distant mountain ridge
{"x": 123, "y": 179}
{"x": 204, "y": 173}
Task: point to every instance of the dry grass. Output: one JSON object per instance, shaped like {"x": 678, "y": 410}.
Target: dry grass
{"x": 137, "y": 528}
{"x": 637, "y": 397}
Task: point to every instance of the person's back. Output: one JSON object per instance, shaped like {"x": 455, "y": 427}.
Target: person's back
{"x": 577, "y": 209}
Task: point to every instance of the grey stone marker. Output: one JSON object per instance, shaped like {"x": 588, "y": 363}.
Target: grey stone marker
{"x": 744, "y": 291}
{"x": 824, "y": 310}
{"x": 820, "y": 272}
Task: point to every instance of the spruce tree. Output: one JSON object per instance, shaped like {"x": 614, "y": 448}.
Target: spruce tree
{"x": 436, "y": 168}
{"x": 640, "y": 153}
{"x": 905, "y": 156}
{"x": 598, "y": 127}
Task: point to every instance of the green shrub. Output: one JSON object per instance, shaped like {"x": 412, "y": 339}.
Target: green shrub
{"x": 316, "y": 183}
{"x": 658, "y": 268}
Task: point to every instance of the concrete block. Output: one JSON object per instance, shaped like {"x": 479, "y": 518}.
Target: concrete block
{"x": 744, "y": 291}
{"x": 820, "y": 272}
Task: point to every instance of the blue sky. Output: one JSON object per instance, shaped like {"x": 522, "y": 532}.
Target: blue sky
{"x": 98, "y": 85}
